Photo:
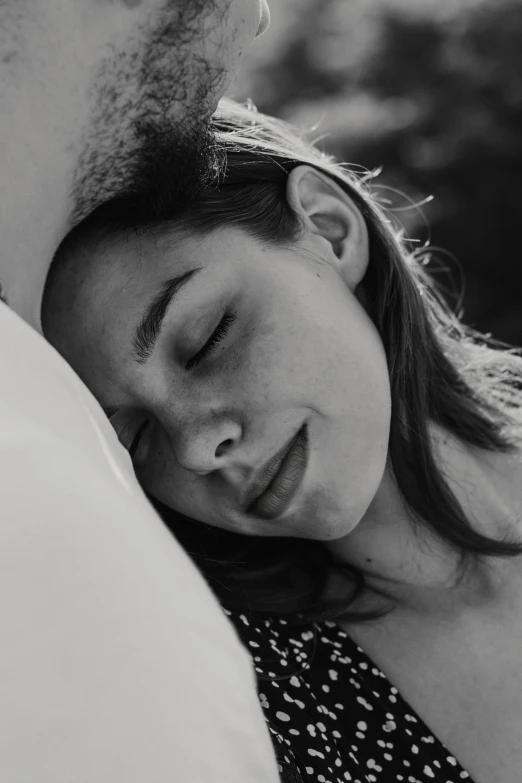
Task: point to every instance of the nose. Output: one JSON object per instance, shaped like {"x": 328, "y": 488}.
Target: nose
{"x": 264, "y": 18}
{"x": 205, "y": 447}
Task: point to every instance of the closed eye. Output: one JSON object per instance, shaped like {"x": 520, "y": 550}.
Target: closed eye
{"x": 133, "y": 448}
{"x": 218, "y": 334}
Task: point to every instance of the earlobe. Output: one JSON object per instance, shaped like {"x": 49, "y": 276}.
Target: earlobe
{"x": 330, "y": 216}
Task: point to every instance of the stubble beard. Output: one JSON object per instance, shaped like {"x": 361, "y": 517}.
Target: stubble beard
{"x": 150, "y": 136}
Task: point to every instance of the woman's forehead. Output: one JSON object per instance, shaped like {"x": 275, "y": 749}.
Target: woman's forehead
{"x": 128, "y": 269}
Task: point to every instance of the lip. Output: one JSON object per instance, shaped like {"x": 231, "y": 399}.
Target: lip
{"x": 280, "y": 479}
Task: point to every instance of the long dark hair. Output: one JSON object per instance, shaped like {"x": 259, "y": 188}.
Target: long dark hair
{"x": 441, "y": 373}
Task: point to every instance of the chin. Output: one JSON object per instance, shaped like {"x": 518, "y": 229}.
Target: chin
{"x": 337, "y": 531}
{"x": 326, "y": 523}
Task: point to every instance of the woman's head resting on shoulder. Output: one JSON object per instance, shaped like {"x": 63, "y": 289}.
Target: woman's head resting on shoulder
{"x": 218, "y": 352}
{"x": 250, "y": 351}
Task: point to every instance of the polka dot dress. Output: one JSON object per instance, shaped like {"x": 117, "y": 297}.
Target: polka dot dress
{"x": 332, "y": 714}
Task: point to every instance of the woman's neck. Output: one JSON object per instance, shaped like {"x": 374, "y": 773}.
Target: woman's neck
{"x": 411, "y": 565}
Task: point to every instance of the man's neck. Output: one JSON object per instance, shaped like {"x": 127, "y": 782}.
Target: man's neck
{"x": 34, "y": 193}
{"x": 41, "y": 124}
{"x": 30, "y": 230}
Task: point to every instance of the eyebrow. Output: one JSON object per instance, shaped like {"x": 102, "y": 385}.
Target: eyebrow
{"x": 152, "y": 320}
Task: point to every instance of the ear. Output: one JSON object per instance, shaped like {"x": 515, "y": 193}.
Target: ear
{"x": 328, "y": 213}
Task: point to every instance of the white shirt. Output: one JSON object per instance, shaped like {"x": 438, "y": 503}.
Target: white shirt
{"x": 117, "y": 664}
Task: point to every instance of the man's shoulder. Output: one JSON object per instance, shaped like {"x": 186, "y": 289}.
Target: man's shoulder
{"x": 42, "y": 398}
{"x": 64, "y": 476}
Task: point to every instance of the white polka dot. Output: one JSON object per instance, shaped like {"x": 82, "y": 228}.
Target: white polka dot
{"x": 428, "y": 771}
{"x": 282, "y": 715}
{"x": 313, "y": 752}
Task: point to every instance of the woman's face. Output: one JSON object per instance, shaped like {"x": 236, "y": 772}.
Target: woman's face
{"x": 231, "y": 370}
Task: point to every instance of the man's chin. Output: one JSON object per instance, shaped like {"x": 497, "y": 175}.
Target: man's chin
{"x": 173, "y": 168}
{"x": 168, "y": 167}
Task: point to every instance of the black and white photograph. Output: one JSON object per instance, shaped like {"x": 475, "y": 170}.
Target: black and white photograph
{"x": 260, "y": 391}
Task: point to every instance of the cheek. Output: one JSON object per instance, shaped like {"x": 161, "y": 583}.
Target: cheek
{"x": 350, "y": 391}
{"x": 166, "y": 481}
{"x": 328, "y": 358}
{"x": 230, "y": 30}
{"x": 354, "y": 366}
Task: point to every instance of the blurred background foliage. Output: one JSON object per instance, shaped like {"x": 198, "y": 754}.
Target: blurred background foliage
{"x": 431, "y": 91}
